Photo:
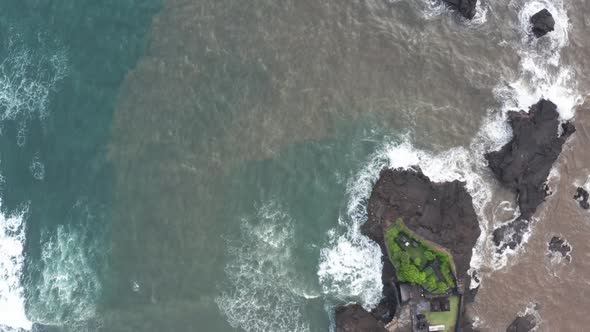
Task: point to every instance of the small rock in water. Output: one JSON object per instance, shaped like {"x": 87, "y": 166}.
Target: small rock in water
{"x": 524, "y": 323}
{"x": 542, "y": 22}
{"x": 582, "y": 197}
{"x": 465, "y": 7}
{"x": 524, "y": 164}
{"x": 558, "y": 245}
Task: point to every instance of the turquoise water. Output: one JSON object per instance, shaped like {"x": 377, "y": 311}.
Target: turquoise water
{"x": 62, "y": 65}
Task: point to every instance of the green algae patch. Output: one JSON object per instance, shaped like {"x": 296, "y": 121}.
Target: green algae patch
{"x": 417, "y": 261}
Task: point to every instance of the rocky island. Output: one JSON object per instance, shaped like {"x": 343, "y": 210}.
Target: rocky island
{"x": 524, "y": 163}
{"x": 558, "y": 247}
{"x": 426, "y": 232}
{"x": 581, "y": 197}
{"x": 465, "y": 7}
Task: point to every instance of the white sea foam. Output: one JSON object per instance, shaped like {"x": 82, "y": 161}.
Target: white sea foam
{"x": 27, "y": 81}
{"x": 263, "y": 290}
{"x": 541, "y": 74}
{"x": 69, "y": 286}
{"x": 12, "y": 238}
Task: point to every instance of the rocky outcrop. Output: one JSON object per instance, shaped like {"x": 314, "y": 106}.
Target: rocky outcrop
{"x": 524, "y": 323}
{"x": 559, "y": 246}
{"x": 353, "y": 318}
{"x": 387, "y": 307}
{"x": 542, "y": 23}
{"x": 439, "y": 212}
{"x": 582, "y": 197}
{"x": 524, "y": 163}
{"x": 465, "y": 7}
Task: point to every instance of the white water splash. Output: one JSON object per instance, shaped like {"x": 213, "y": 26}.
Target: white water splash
{"x": 540, "y": 76}
{"x": 12, "y": 238}
{"x": 68, "y": 289}
{"x": 263, "y": 293}
{"x": 27, "y": 81}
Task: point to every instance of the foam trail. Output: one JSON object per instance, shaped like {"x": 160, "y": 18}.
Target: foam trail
{"x": 263, "y": 290}
{"x": 540, "y": 76}
{"x": 69, "y": 286}
{"x": 27, "y": 81}
{"x": 12, "y": 304}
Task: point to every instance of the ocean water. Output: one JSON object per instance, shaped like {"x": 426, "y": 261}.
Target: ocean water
{"x": 194, "y": 165}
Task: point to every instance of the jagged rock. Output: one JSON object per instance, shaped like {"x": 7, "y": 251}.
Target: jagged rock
{"x": 559, "y": 246}
{"x": 524, "y": 163}
{"x": 465, "y": 7}
{"x": 440, "y": 212}
{"x": 542, "y": 22}
{"x": 582, "y": 197}
{"x": 353, "y": 318}
{"x": 388, "y": 305}
{"x": 524, "y": 323}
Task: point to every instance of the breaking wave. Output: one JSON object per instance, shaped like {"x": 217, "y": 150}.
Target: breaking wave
{"x": 262, "y": 285}
{"x": 12, "y": 304}
{"x": 27, "y": 81}
{"x": 68, "y": 285}
{"x": 541, "y": 75}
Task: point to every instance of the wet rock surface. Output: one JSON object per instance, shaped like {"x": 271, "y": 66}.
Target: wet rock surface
{"x": 465, "y": 7}
{"x": 387, "y": 307}
{"x": 582, "y": 197}
{"x": 524, "y": 323}
{"x": 353, "y": 318}
{"x": 559, "y": 246}
{"x": 439, "y": 212}
{"x": 524, "y": 163}
{"x": 543, "y": 23}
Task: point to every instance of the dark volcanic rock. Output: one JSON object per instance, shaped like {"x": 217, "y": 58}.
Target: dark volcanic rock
{"x": 558, "y": 245}
{"x": 524, "y": 323}
{"x": 440, "y": 212}
{"x": 524, "y": 163}
{"x": 542, "y": 22}
{"x": 465, "y": 7}
{"x": 582, "y": 197}
{"x": 353, "y": 318}
{"x": 388, "y": 305}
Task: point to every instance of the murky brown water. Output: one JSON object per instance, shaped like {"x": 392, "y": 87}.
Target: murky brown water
{"x": 560, "y": 288}
{"x": 227, "y": 83}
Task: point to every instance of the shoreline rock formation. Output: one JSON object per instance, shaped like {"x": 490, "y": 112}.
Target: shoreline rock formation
{"x": 582, "y": 196}
{"x": 524, "y": 323}
{"x": 442, "y": 213}
{"x": 524, "y": 163}
{"x": 543, "y": 23}
{"x": 465, "y": 7}
{"x": 559, "y": 246}
{"x": 354, "y": 318}
{"x": 439, "y": 212}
